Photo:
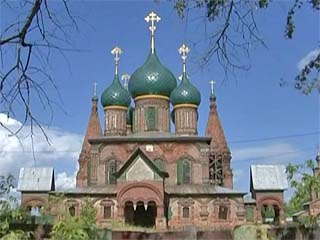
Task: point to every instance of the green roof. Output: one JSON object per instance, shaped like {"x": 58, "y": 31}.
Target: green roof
{"x": 152, "y": 78}
{"x": 115, "y": 95}
{"x": 185, "y": 93}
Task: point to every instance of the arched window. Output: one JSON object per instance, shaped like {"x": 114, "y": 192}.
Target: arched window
{"x": 184, "y": 172}
{"x": 72, "y": 211}
{"x": 151, "y": 118}
{"x": 185, "y": 212}
{"x": 160, "y": 164}
{"x": 111, "y": 168}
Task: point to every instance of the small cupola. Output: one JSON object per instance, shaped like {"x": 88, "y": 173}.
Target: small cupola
{"x": 116, "y": 94}
{"x": 185, "y": 100}
{"x": 116, "y": 101}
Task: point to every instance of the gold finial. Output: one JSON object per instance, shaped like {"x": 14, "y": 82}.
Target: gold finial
{"x": 125, "y": 78}
{"x": 212, "y": 82}
{"x": 183, "y": 51}
{"x": 116, "y": 51}
{"x": 152, "y": 17}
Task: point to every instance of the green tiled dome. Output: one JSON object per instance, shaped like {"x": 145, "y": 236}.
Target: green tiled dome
{"x": 130, "y": 115}
{"x": 185, "y": 93}
{"x": 115, "y": 95}
{"x": 152, "y": 78}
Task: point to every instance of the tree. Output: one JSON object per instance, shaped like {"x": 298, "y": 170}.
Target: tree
{"x": 10, "y": 212}
{"x": 235, "y": 30}
{"x": 306, "y": 184}
{"x": 36, "y": 30}
{"x": 81, "y": 227}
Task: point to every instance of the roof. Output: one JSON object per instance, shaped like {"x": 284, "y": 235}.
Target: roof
{"x": 185, "y": 93}
{"x": 152, "y": 78}
{"x": 268, "y": 177}
{"x": 140, "y": 153}
{"x": 149, "y": 137}
{"x": 115, "y": 94}
{"x": 107, "y": 189}
{"x": 200, "y": 189}
{"x": 36, "y": 179}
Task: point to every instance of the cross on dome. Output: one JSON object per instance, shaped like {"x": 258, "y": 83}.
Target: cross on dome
{"x": 183, "y": 51}
{"x": 116, "y": 51}
{"x": 95, "y": 89}
{"x": 125, "y": 78}
{"x": 212, "y": 83}
{"x": 152, "y": 17}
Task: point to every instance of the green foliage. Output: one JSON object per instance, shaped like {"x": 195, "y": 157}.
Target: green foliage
{"x": 303, "y": 180}
{"x": 70, "y": 228}
{"x": 305, "y": 83}
{"x": 81, "y": 227}
{"x": 10, "y": 213}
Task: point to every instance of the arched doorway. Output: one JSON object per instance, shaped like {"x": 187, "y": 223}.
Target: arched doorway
{"x": 142, "y": 215}
{"x": 129, "y": 213}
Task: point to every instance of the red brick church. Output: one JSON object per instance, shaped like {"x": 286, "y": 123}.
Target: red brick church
{"x": 139, "y": 171}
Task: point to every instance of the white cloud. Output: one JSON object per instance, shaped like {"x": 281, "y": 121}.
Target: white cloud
{"x": 271, "y": 153}
{"x": 15, "y": 153}
{"x": 307, "y": 58}
{"x": 63, "y": 181}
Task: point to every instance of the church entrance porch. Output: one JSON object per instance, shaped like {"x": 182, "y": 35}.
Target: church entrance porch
{"x": 140, "y": 214}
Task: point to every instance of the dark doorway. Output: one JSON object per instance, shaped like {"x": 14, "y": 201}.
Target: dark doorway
{"x": 129, "y": 213}
{"x": 144, "y": 216}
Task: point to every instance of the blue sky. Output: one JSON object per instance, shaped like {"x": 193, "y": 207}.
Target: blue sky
{"x": 251, "y": 105}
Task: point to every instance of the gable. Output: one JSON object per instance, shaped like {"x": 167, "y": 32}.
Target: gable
{"x": 138, "y": 168}
{"x": 139, "y": 171}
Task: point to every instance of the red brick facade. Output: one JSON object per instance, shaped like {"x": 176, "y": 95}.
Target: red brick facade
{"x": 172, "y": 179}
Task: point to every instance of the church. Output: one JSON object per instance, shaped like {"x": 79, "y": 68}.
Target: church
{"x": 136, "y": 170}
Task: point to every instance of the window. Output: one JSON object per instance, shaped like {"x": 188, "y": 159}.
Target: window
{"x": 111, "y": 168}
{"x": 184, "y": 172}
{"x": 72, "y": 211}
{"x": 107, "y": 212}
{"x": 185, "y": 212}
{"x": 249, "y": 214}
{"x": 151, "y": 118}
{"x": 223, "y": 212}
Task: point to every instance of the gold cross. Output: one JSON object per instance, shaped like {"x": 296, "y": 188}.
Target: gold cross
{"x": 212, "y": 82}
{"x": 183, "y": 51}
{"x": 116, "y": 51}
{"x": 152, "y": 17}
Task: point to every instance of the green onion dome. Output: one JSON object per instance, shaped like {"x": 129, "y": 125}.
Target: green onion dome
{"x": 152, "y": 78}
{"x": 130, "y": 115}
{"x": 115, "y": 95}
{"x": 185, "y": 93}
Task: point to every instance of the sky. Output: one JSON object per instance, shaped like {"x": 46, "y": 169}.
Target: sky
{"x": 257, "y": 114}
